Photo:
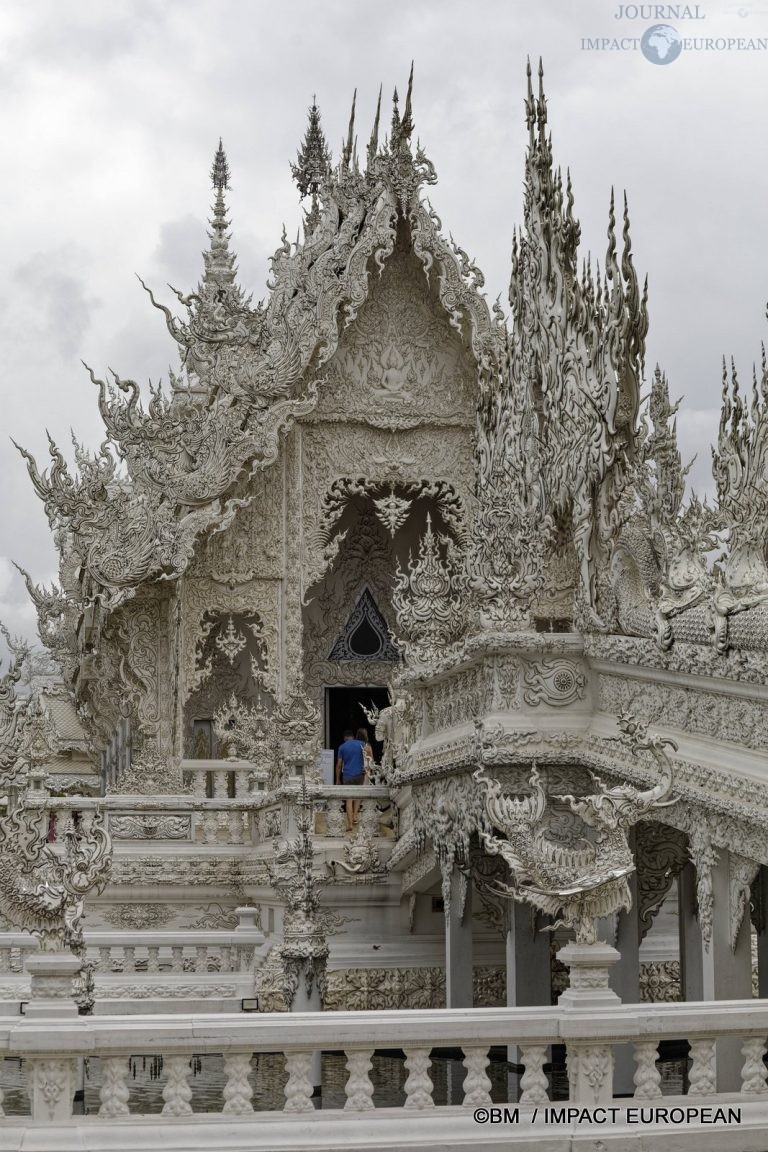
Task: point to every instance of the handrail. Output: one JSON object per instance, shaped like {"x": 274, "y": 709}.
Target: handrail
{"x": 302, "y": 1031}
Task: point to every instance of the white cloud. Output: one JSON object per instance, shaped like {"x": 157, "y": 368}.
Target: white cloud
{"x": 112, "y": 113}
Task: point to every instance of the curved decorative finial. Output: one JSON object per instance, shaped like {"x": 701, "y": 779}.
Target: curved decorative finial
{"x": 373, "y": 143}
{"x": 407, "y": 124}
{"x": 346, "y": 156}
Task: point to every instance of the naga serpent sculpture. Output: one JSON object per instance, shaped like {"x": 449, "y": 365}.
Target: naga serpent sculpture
{"x": 579, "y": 882}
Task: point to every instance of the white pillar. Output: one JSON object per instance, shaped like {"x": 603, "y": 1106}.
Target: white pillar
{"x": 529, "y": 983}
{"x": 713, "y": 969}
{"x": 761, "y": 921}
{"x": 458, "y": 944}
{"x": 691, "y": 947}
{"x": 529, "y": 979}
{"x": 624, "y": 979}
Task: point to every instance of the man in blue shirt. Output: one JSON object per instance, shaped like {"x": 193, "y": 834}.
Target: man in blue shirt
{"x": 350, "y": 769}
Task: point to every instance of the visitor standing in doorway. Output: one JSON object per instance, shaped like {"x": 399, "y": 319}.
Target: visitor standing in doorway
{"x": 350, "y": 769}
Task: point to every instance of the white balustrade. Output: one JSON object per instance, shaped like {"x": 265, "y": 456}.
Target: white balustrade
{"x": 156, "y": 952}
{"x": 51, "y": 1059}
{"x": 213, "y": 778}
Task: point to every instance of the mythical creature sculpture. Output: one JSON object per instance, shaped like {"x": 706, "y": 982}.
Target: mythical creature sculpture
{"x": 659, "y": 570}
{"x": 361, "y": 856}
{"x": 575, "y": 883}
{"x": 11, "y": 709}
{"x": 740, "y": 467}
{"x": 41, "y": 888}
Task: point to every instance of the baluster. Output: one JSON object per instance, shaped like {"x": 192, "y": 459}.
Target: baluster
{"x": 114, "y": 1091}
{"x": 222, "y": 827}
{"x": 225, "y": 952}
{"x": 753, "y": 1073}
{"x": 200, "y": 782}
{"x": 533, "y": 1082}
{"x": 201, "y": 953}
{"x": 298, "y": 1089}
{"x": 358, "y": 1088}
{"x": 241, "y": 782}
{"x": 177, "y": 1092}
{"x": 236, "y": 827}
{"x": 129, "y": 958}
{"x": 153, "y": 958}
{"x": 102, "y": 964}
{"x": 64, "y": 823}
{"x": 701, "y": 1079}
{"x": 17, "y": 960}
{"x": 418, "y": 1086}
{"x": 220, "y": 789}
{"x": 647, "y": 1078}
{"x": 177, "y": 958}
{"x": 2, "y": 1097}
{"x": 477, "y": 1086}
{"x": 209, "y": 827}
{"x": 5, "y": 960}
{"x": 246, "y": 958}
{"x": 238, "y": 1091}
{"x": 335, "y": 819}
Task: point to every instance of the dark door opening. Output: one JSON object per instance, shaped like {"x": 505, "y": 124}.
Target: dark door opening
{"x": 343, "y": 710}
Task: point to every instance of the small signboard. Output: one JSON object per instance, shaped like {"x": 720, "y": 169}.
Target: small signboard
{"x": 326, "y": 765}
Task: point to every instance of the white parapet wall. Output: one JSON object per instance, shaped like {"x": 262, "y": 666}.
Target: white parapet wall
{"x": 592, "y": 1118}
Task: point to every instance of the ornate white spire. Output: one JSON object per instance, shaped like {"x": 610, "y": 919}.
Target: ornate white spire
{"x": 219, "y": 261}
{"x": 373, "y": 143}
{"x": 313, "y": 164}
{"x": 348, "y": 150}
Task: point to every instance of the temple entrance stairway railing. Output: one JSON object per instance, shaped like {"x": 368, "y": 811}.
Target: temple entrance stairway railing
{"x": 53, "y": 1052}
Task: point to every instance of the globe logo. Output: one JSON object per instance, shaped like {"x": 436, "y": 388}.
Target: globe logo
{"x": 661, "y": 44}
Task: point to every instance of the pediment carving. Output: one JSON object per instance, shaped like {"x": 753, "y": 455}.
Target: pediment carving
{"x": 365, "y": 635}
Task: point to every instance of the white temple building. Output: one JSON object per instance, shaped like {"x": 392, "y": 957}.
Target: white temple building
{"x": 374, "y": 501}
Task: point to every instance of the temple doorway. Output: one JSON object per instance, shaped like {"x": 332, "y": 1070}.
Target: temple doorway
{"x": 343, "y": 710}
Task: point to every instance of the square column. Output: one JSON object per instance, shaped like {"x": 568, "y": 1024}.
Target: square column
{"x": 529, "y": 983}
{"x": 712, "y": 966}
{"x": 624, "y": 979}
{"x": 458, "y": 943}
{"x": 529, "y": 979}
{"x": 761, "y": 923}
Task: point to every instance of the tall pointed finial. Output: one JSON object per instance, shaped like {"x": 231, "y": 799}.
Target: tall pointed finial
{"x": 346, "y": 155}
{"x": 402, "y": 129}
{"x": 541, "y": 104}
{"x": 219, "y": 261}
{"x": 373, "y": 143}
{"x": 407, "y": 125}
{"x": 220, "y": 169}
{"x": 395, "y": 117}
{"x": 530, "y": 106}
{"x": 313, "y": 159}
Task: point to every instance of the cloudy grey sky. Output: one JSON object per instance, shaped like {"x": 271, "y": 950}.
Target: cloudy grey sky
{"x": 111, "y": 112}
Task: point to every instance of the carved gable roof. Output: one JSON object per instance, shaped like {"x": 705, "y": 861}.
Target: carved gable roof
{"x": 250, "y": 371}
